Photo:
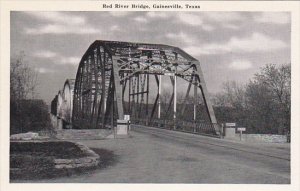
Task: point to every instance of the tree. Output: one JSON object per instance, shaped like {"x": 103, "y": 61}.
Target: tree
{"x": 23, "y": 80}
{"x": 262, "y": 105}
{"x": 232, "y": 95}
{"x": 270, "y": 94}
{"x": 230, "y": 104}
{"x": 261, "y": 108}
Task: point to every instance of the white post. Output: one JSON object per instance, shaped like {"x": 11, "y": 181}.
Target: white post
{"x": 175, "y": 94}
{"x": 159, "y": 96}
{"x": 240, "y": 135}
{"x": 104, "y": 102}
{"x": 195, "y": 102}
{"x": 222, "y": 130}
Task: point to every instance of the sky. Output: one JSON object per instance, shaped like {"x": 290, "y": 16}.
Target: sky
{"x": 231, "y": 46}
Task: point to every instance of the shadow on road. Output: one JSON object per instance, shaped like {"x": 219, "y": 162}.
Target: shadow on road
{"x": 107, "y": 157}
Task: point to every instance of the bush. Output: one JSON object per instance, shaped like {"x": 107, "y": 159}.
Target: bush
{"x": 28, "y": 115}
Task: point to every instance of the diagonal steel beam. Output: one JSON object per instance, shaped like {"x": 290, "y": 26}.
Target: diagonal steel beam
{"x": 186, "y": 96}
{"x": 206, "y": 100}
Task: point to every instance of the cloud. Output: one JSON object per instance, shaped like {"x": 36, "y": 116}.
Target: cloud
{"x": 207, "y": 27}
{"x": 223, "y": 16}
{"x": 141, "y": 19}
{"x": 257, "y": 42}
{"x": 120, "y": 13}
{"x": 273, "y": 17}
{"x": 70, "y": 60}
{"x": 206, "y": 20}
{"x": 56, "y": 58}
{"x": 153, "y": 14}
{"x": 194, "y": 20}
{"x": 44, "y": 54}
{"x": 44, "y": 70}
{"x": 195, "y": 50}
{"x": 230, "y": 26}
{"x": 240, "y": 65}
{"x": 58, "y": 17}
{"x": 190, "y": 19}
{"x": 198, "y": 18}
{"x": 60, "y": 23}
{"x": 61, "y": 29}
{"x": 115, "y": 28}
{"x": 188, "y": 39}
{"x": 228, "y": 20}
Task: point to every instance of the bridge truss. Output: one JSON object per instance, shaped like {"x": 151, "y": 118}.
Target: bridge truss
{"x": 117, "y": 78}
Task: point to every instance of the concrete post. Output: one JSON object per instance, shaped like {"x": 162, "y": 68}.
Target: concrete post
{"x": 122, "y": 128}
{"x": 59, "y": 124}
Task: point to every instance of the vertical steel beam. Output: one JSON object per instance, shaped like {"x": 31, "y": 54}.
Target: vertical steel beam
{"x": 133, "y": 108}
{"x": 147, "y": 101}
{"x": 172, "y": 97}
{"x": 129, "y": 96}
{"x": 95, "y": 101}
{"x": 175, "y": 92}
{"x": 99, "y": 82}
{"x": 112, "y": 111}
{"x": 159, "y": 96}
{"x": 109, "y": 99}
{"x": 124, "y": 84}
{"x": 103, "y": 96}
{"x": 195, "y": 102}
{"x": 137, "y": 96}
{"x": 118, "y": 88}
{"x": 89, "y": 95}
{"x": 175, "y": 95}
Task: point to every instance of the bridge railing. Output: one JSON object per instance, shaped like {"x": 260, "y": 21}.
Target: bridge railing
{"x": 204, "y": 128}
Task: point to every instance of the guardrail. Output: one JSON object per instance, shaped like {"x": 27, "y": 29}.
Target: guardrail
{"x": 202, "y": 128}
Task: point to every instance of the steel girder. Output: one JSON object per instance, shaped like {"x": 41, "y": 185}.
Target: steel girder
{"x": 109, "y": 69}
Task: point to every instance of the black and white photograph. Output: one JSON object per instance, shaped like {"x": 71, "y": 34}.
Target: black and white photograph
{"x": 151, "y": 97}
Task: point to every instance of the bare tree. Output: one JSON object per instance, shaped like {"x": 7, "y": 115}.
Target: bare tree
{"x": 263, "y": 105}
{"x": 23, "y": 80}
{"x": 232, "y": 95}
{"x": 278, "y": 82}
{"x": 274, "y": 86}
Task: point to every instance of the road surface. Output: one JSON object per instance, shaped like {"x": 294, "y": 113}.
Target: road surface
{"x": 154, "y": 155}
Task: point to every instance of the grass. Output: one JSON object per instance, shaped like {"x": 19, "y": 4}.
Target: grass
{"x": 56, "y": 149}
{"x": 35, "y": 160}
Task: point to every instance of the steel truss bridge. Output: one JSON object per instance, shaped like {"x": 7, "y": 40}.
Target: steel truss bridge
{"x": 123, "y": 78}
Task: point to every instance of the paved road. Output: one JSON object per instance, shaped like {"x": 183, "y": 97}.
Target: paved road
{"x": 159, "y": 156}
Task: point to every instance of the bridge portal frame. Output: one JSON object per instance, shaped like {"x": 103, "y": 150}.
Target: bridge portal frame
{"x": 109, "y": 68}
